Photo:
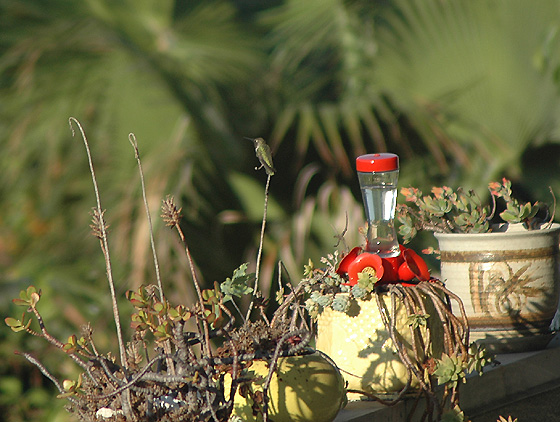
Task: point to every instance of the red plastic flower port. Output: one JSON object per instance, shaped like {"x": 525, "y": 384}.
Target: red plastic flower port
{"x": 413, "y": 267}
{"x": 391, "y": 266}
{"x": 368, "y": 262}
{"x": 391, "y": 269}
{"x": 405, "y": 267}
{"x": 347, "y": 260}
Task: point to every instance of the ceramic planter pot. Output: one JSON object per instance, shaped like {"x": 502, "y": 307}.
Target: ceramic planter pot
{"x": 509, "y": 284}
{"x": 306, "y": 388}
{"x": 362, "y": 348}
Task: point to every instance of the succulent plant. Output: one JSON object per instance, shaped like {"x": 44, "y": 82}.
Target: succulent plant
{"x": 509, "y": 419}
{"x": 459, "y": 211}
{"x": 515, "y": 212}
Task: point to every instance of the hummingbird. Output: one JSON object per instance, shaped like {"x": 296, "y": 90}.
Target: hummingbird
{"x": 264, "y": 155}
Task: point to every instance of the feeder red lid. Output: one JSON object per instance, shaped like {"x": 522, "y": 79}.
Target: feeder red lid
{"x": 384, "y": 161}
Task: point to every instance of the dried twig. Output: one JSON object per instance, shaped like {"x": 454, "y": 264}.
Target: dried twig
{"x": 46, "y": 373}
{"x": 134, "y": 143}
{"x": 105, "y": 249}
{"x": 551, "y": 219}
{"x": 172, "y": 216}
{"x": 261, "y": 242}
{"x": 104, "y": 241}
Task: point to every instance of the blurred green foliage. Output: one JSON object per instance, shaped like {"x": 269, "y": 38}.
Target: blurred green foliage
{"x": 464, "y": 91}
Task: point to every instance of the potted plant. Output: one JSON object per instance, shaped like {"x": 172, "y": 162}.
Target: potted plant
{"x": 389, "y": 327}
{"x": 505, "y": 272}
{"x": 192, "y": 362}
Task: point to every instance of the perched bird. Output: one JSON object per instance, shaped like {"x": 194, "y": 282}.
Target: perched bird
{"x": 264, "y": 155}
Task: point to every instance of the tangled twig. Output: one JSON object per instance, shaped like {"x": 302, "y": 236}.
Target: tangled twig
{"x": 415, "y": 357}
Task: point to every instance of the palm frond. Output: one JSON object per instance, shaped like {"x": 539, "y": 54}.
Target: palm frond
{"x": 323, "y": 55}
{"x": 466, "y": 76}
{"x": 119, "y": 67}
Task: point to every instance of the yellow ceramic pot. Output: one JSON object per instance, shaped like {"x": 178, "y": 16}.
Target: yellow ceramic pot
{"x": 305, "y": 388}
{"x": 362, "y": 348}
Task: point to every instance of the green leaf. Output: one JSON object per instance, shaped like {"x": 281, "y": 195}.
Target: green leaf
{"x": 212, "y": 296}
{"x": 241, "y": 271}
{"x": 71, "y": 345}
{"x": 367, "y": 281}
{"x": 534, "y": 210}
{"x": 449, "y": 370}
{"x": 34, "y": 299}
{"x": 417, "y": 320}
{"x": 437, "y": 206}
{"x": 308, "y": 269}
{"x": 478, "y": 358}
{"x": 179, "y": 313}
{"x": 71, "y": 387}
{"x": 239, "y": 284}
{"x": 28, "y": 297}
{"x": 159, "y": 307}
{"x": 528, "y": 211}
{"x": 453, "y": 415}
{"x": 280, "y": 296}
{"x": 14, "y": 324}
{"x": 162, "y": 331}
{"x": 509, "y": 217}
{"x": 137, "y": 298}
{"x": 407, "y": 231}
{"x": 210, "y": 316}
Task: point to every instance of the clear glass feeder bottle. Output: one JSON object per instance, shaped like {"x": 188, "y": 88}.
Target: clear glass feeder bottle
{"x": 378, "y": 175}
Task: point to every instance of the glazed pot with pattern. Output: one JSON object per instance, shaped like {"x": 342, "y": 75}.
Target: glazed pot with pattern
{"x": 508, "y": 282}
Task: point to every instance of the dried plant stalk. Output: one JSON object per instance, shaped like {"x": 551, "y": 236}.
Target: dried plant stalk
{"x": 101, "y": 233}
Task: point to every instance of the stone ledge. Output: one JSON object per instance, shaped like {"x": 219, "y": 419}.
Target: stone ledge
{"x": 518, "y": 376}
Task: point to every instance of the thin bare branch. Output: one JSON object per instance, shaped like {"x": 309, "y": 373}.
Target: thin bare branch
{"x": 46, "y": 373}
{"x": 551, "y": 220}
{"x": 259, "y": 255}
{"x": 103, "y": 240}
{"x": 171, "y": 216}
{"x": 105, "y": 249}
{"x": 134, "y": 143}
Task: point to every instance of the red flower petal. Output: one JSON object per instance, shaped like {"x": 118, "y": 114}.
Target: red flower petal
{"x": 362, "y": 262}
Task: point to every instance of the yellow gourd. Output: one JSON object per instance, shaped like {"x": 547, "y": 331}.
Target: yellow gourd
{"x": 305, "y": 388}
